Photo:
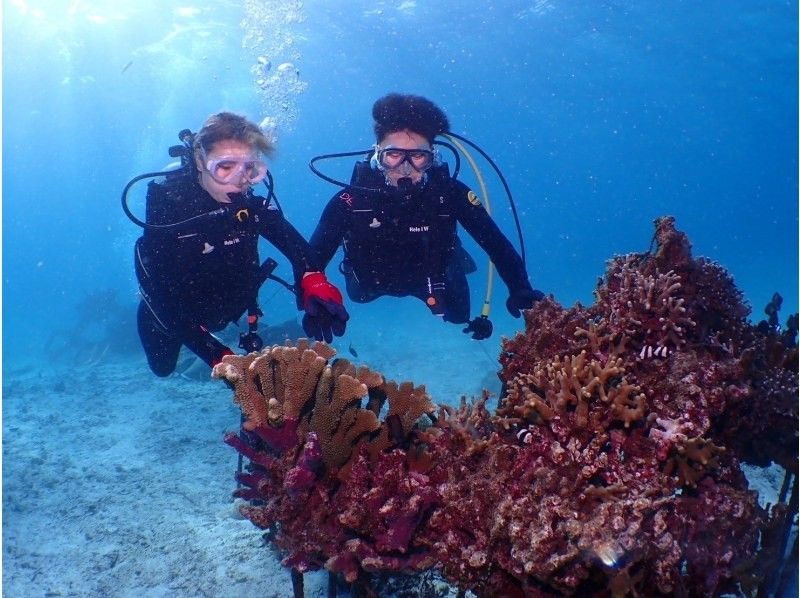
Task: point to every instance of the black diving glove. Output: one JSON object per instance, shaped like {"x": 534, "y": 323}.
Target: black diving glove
{"x": 324, "y": 319}
{"x": 250, "y": 342}
{"x": 480, "y": 327}
{"x": 522, "y": 299}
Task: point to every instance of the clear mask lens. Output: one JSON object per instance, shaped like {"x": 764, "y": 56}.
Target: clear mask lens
{"x": 392, "y": 158}
{"x": 235, "y": 170}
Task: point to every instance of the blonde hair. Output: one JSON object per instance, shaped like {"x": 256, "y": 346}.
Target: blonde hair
{"x": 227, "y": 125}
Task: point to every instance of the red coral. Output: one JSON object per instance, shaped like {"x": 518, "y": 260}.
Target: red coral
{"x": 611, "y": 466}
{"x": 303, "y": 475}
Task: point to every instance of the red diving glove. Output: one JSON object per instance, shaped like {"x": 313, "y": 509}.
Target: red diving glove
{"x": 217, "y": 359}
{"x": 325, "y": 314}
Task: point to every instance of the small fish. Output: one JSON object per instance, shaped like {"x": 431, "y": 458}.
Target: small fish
{"x": 127, "y": 66}
{"x": 524, "y": 436}
{"x": 352, "y": 351}
{"x": 650, "y": 351}
{"x": 609, "y": 553}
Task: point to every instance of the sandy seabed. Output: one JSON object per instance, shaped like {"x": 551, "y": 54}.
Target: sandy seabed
{"x": 126, "y": 492}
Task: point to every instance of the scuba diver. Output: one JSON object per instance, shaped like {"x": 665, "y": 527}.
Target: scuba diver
{"x": 397, "y": 218}
{"x": 197, "y": 261}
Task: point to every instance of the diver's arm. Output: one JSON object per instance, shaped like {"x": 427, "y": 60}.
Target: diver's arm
{"x": 204, "y": 344}
{"x": 325, "y": 315}
{"x": 278, "y": 231}
{"x": 477, "y": 222}
{"x": 329, "y": 232}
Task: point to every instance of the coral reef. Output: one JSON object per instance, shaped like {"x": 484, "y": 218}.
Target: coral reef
{"x": 304, "y": 428}
{"x": 611, "y": 465}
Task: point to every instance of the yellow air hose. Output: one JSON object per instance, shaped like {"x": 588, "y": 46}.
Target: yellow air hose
{"x": 485, "y": 194}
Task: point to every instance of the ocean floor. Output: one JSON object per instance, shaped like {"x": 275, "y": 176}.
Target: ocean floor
{"x": 117, "y": 483}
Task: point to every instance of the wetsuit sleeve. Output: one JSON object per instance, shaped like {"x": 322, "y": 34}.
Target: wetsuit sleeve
{"x": 330, "y": 230}
{"x": 471, "y": 214}
{"x": 278, "y": 231}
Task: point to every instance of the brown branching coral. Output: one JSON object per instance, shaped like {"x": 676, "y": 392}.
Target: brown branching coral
{"x": 247, "y": 394}
{"x": 691, "y": 460}
{"x": 525, "y": 405}
{"x": 338, "y": 418}
{"x": 571, "y": 385}
{"x": 276, "y": 383}
{"x": 407, "y": 404}
{"x": 470, "y": 426}
{"x": 628, "y": 405}
{"x": 295, "y": 384}
{"x": 644, "y": 303}
{"x": 672, "y": 246}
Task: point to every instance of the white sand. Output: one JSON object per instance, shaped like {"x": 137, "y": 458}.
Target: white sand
{"x": 120, "y": 485}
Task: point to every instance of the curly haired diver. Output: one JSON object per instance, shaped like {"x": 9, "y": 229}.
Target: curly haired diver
{"x": 397, "y": 221}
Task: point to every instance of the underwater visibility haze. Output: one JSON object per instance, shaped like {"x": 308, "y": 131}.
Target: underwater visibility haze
{"x": 603, "y": 116}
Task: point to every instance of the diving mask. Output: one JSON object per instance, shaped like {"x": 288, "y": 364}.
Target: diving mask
{"x": 236, "y": 169}
{"x": 392, "y": 158}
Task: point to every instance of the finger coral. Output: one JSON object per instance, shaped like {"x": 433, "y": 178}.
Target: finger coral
{"x": 611, "y": 466}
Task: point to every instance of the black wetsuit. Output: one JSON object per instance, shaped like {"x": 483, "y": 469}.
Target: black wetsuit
{"x": 197, "y": 277}
{"x": 403, "y": 243}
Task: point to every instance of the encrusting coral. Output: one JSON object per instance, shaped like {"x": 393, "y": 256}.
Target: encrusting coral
{"x": 611, "y": 466}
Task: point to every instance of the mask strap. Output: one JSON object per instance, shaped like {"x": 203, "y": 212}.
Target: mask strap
{"x": 374, "y": 161}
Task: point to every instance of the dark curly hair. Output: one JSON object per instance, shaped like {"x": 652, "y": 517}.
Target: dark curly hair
{"x": 396, "y": 112}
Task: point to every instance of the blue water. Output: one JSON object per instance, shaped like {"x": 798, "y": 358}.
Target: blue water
{"x": 603, "y": 115}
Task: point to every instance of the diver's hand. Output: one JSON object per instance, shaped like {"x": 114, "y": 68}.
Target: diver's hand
{"x": 216, "y": 358}
{"x": 480, "y": 328}
{"x": 522, "y": 299}
{"x": 325, "y": 315}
